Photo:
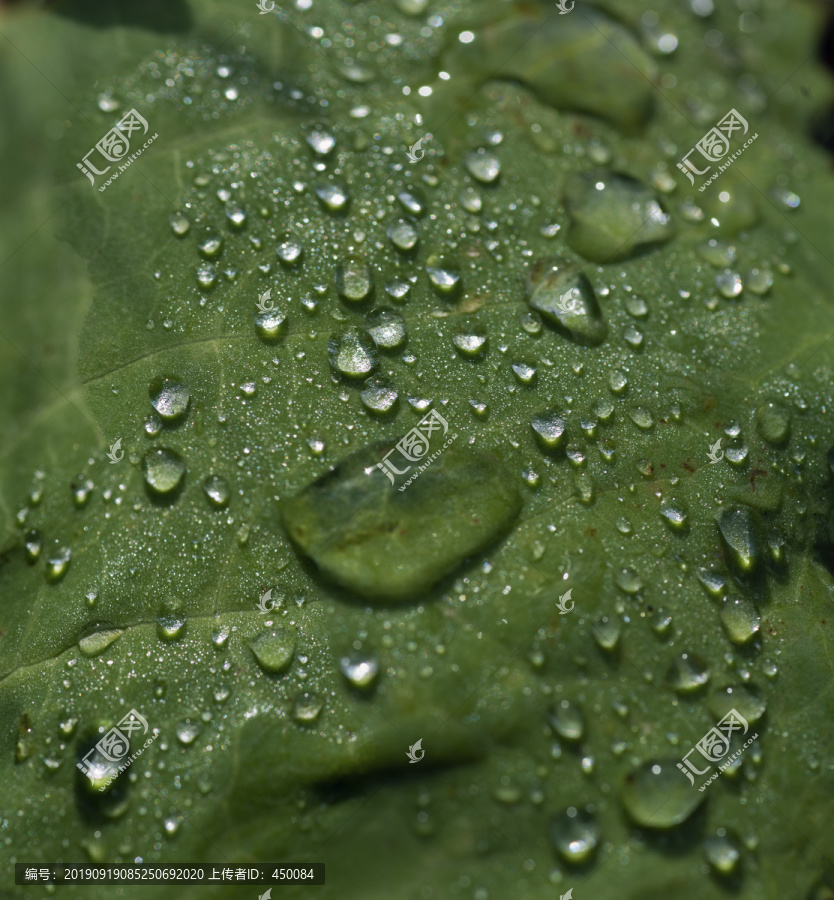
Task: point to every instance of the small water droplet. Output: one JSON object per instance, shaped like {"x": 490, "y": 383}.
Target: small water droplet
{"x": 524, "y": 372}
{"x": 729, "y": 283}
{"x": 607, "y": 632}
{"x": 321, "y": 142}
{"x": 387, "y": 327}
{"x": 721, "y": 853}
{"x": 759, "y": 281}
{"x": 289, "y": 250}
{"x": 180, "y": 225}
{"x": 628, "y": 580}
{"x": 675, "y": 516}
{"x": 210, "y": 247}
{"x": 170, "y": 627}
{"x": 549, "y": 427}
{"x": 718, "y": 254}
{"x": 378, "y": 396}
{"x": 403, "y": 235}
{"x": 443, "y": 274}
{"x": 641, "y": 417}
{"x": 567, "y": 721}
{"x": 354, "y": 280}
{"x": 269, "y": 326}
{"x": 741, "y": 534}
{"x": 773, "y": 422}
{"x": 187, "y": 732}
{"x": 334, "y": 197}
{"x": 411, "y": 203}
{"x": 33, "y": 544}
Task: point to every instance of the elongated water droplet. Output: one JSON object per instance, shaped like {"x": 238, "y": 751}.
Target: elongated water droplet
{"x": 33, "y": 545}
{"x": 354, "y": 280}
{"x": 82, "y": 488}
{"x": 741, "y": 534}
{"x": 57, "y": 564}
{"x": 740, "y": 618}
{"x": 97, "y": 642}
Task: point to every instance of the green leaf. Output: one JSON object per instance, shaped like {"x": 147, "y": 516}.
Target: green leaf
{"x": 288, "y": 634}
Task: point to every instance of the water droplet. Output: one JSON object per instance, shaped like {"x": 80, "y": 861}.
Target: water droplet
{"x": 613, "y": 216}
{"x": 675, "y": 516}
{"x": 741, "y": 533}
{"x": 32, "y": 545}
{"x": 561, "y": 292}
{"x": 657, "y": 795}
{"x": 97, "y": 642}
{"x": 687, "y": 673}
{"x": 352, "y": 353}
{"x": 713, "y": 581}
{"x": 718, "y": 254}
{"x": 57, "y": 564}
{"x": 636, "y": 306}
{"x": 443, "y": 274}
{"x": 217, "y": 490}
{"x": 82, "y": 488}
{"x": 729, "y": 283}
{"x": 360, "y": 670}
{"x": 306, "y": 707}
{"x": 721, "y": 853}
{"x": 334, "y": 197}
{"x": 206, "y": 275}
{"x": 470, "y": 338}
{"x": 470, "y": 200}
{"x": 524, "y": 372}
{"x": 603, "y": 409}
{"x": 403, "y": 235}
{"x": 66, "y": 727}
{"x": 387, "y": 327}
{"x": 180, "y": 225}
{"x": 483, "y": 165}
{"x": 641, "y": 417}
{"x": 378, "y": 396}
{"x": 289, "y": 250}
{"x": 396, "y": 544}
{"x": 210, "y": 247}
{"x": 759, "y": 281}
{"x": 549, "y": 427}
{"x": 163, "y": 470}
{"x": 169, "y": 397}
{"x": 740, "y": 618}
{"x": 274, "y": 649}
{"x": 187, "y": 732}
{"x": 170, "y": 627}
{"x": 773, "y": 422}
{"x": 567, "y": 721}
{"x": 411, "y": 203}
{"x": 607, "y": 632}
{"x": 745, "y": 699}
{"x": 618, "y": 381}
{"x": 628, "y": 580}
{"x": 269, "y": 326}
{"x": 354, "y": 280}
{"x": 574, "y": 834}
{"x": 321, "y": 142}
{"x": 633, "y": 337}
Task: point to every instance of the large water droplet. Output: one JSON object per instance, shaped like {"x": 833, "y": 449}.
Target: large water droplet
{"x": 170, "y": 626}
{"x": 321, "y": 142}
{"x": 403, "y": 235}
{"x": 687, "y": 673}
{"x": 443, "y": 274}
{"x": 470, "y": 338}
{"x": 269, "y": 326}
{"x": 628, "y": 580}
{"x": 274, "y": 649}
{"x": 210, "y": 247}
{"x": 169, "y": 397}
{"x": 613, "y": 216}
{"x": 657, "y": 795}
{"x": 549, "y": 427}
{"x": 740, "y": 618}
{"x": 394, "y": 544}
{"x": 334, "y": 197}
{"x": 163, "y": 470}
{"x": 352, "y": 353}
{"x": 561, "y": 292}
{"x": 306, "y": 707}
{"x": 289, "y": 250}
